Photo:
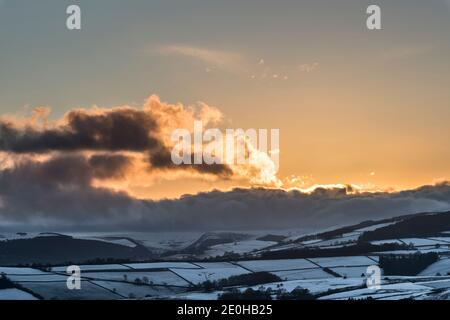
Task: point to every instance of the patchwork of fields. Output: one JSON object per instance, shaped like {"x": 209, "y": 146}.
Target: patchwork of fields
{"x": 326, "y": 265}
{"x": 177, "y": 279}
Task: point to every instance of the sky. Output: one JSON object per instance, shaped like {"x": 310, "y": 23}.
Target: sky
{"x": 367, "y": 108}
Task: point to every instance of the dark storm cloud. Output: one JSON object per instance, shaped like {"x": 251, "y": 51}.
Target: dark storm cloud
{"x": 59, "y": 194}
{"x": 161, "y": 159}
{"x": 109, "y": 166}
{"x": 119, "y": 129}
{"x": 61, "y": 190}
{"x": 64, "y": 170}
{"x": 268, "y": 208}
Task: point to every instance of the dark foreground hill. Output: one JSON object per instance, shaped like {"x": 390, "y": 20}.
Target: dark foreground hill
{"x": 60, "y": 249}
{"x": 421, "y": 225}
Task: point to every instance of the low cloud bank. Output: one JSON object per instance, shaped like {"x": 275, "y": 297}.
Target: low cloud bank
{"x": 60, "y": 194}
{"x": 66, "y": 174}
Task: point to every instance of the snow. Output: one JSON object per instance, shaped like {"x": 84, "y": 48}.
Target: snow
{"x": 44, "y": 277}
{"x": 162, "y": 265}
{"x": 15, "y": 294}
{"x": 152, "y": 240}
{"x": 58, "y": 290}
{"x": 166, "y": 240}
{"x": 351, "y": 234}
{"x": 343, "y": 261}
{"x": 375, "y": 227}
{"x": 437, "y": 284}
{"x": 351, "y": 272}
{"x": 405, "y": 295}
{"x": 314, "y": 286}
{"x": 18, "y": 271}
{"x": 200, "y": 295}
{"x": 420, "y": 250}
{"x": 157, "y": 278}
{"x": 129, "y": 290}
{"x": 98, "y": 267}
{"x": 396, "y": 252}
{"x": 286, "y": 247}
{"x": 276, "y": 265}
{"x": 380, "y": 242}
{"x": 15, "y": 236}
{"x": 441, "y": 266}
{"x": 437, "y": 250}
{"x": 238, "y": 247}
{"x": 441, "y": 239}
{"x": 172, "y": 279}
{"x": 335, "y": 241}
{"x": 406, "y": 289}
{"x": 422, "y": 241}
{"x": 309, "y": 242}
{"x": 207, "y": 265}
{"x": 122, "y": 242}
{"x": 303, "y": 274}
{"x": 213, "y": 274}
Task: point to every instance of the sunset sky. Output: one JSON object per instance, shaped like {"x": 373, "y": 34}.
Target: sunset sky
{"x": 353, "y": 106}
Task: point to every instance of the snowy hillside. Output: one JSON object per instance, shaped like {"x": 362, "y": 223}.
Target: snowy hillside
{"x": 332, "y": 265}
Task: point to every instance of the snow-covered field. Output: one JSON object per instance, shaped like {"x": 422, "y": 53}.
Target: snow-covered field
{"x": 157, "y": 278}
{"x": 441, "y": 267}
{"x": 317, "y": 273}
{"x": 344, "y": 261}
{"x": 165, "y": 240}
{"x": 239, "y": 247}
{"x": 351, "y": 272}
{"x": 276, "y": 265}
{"x": 423, "y": 241}
{"x": 374, "y": 227}
{"x": 187, "y": 263}
{"x": 128, "y": 290}
{"x": 19, "y": 235}
{"x": 20, "y": 271}
{"x": 345, "y": 240}
{"x": 403, "y": 290}
{"x": 120, "y": 241}
{"x": 58, "y": 290}
{"x": 15, "y": 294}
{"x": 212, "y": 274}
{"x": 175, "y": 279}
{"x": 315, "y": 286}
{"x": 106, "y": 267}
{"x": 161, "y": 265}
{"x": 45, "y": 277}
{"x": 381, "y": 242}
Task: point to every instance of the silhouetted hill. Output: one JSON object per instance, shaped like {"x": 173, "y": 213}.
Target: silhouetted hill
{"x": 423, "y": 225}
{"x": 62, "y": 249}
{"x": 211, "y": 239}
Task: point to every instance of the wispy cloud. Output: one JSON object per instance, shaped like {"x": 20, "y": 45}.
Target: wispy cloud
{"x": 308, "y": 67}
{"x": 265, "y": 71}
{"x": 404, "y": 52}
{"x": 237, "y": 63}
{"x": 211, "y": 57}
